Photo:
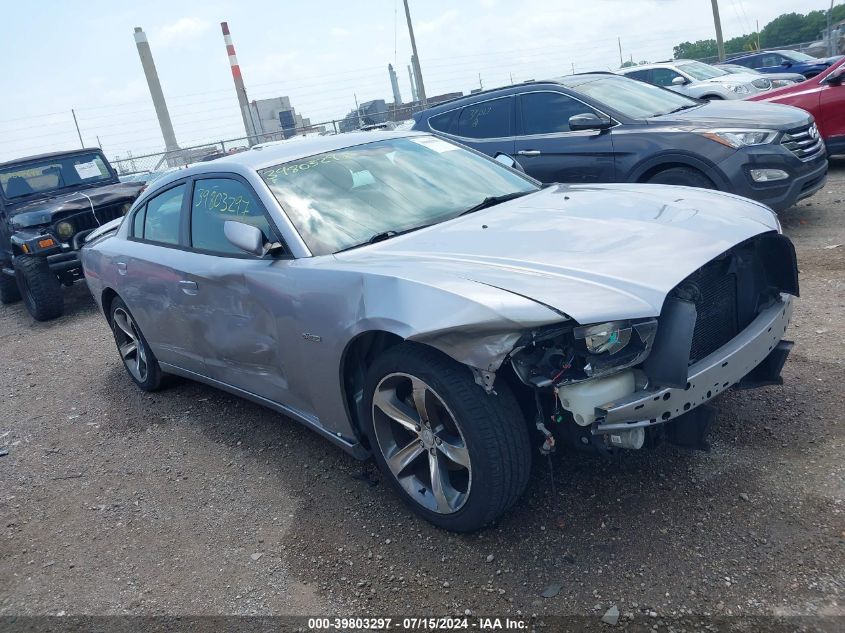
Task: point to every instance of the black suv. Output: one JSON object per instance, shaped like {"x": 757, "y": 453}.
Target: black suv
{"x": 48, "y": 205}
{"x": 601, "y": 127}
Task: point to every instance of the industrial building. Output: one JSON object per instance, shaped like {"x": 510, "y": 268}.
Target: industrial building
{"x": 275, "y": 117}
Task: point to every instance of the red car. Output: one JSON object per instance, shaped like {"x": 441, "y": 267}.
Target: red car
{"x": 823, "y": 96}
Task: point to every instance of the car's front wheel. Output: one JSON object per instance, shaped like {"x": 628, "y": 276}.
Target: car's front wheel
{"x": 458, "y": 456}
{"x": 138, "y": 359}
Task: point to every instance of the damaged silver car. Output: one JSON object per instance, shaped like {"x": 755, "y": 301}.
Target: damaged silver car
{"x": 416, "y": 301}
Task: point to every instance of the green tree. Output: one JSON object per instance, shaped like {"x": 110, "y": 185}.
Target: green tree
{"x": 695, "y": 50}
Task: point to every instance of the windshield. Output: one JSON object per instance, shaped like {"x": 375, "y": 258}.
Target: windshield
{"x": 633, "y": 98}
{"x": 344, "y": 198}
{"x": 737, "y": 70}
{"x": 798, "y": 57}
{"x": 700, "y": 71}
{"x": 54, "y": 174}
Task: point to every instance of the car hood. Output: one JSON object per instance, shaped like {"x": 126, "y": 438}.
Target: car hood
{"x": 737, "y": 114}
{"x": 49, "y": 209}
{"x": 593, "y": 253}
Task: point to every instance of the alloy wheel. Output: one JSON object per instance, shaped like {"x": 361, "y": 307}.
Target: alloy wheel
{"x": 421, "y": 443}
{"x": 129, "y": 344}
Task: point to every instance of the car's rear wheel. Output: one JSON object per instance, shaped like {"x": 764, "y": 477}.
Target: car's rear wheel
{"x": 9, "y": 291}
{"x": 458, "y": 456}
{"x": 39, "y": 287}
{"x": 686, "y": 176}
{"x": 138, "y": 359}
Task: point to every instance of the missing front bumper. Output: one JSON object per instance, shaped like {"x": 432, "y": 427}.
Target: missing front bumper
{"x": 758, "y": 349}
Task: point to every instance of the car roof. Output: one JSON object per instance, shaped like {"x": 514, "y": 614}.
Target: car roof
{"x": 34, "y": 157}
{"x": 666, "y": 64}
{"x": 275, "y": 153}
{"x": 565, "y": 80}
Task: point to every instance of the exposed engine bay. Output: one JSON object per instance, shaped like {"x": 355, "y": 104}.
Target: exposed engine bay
{"x": 708, "y": 321}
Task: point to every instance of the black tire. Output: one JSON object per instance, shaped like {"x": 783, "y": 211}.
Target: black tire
{"x": 491, "y": 428}
{"x": 686, "y": 176}
{"x": 9, "y": 291}
{"x": 39, "y": 288}
{"x": 151, "y": 378}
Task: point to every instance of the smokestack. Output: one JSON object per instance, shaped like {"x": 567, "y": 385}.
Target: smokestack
{"x": 240, "y": 89}
{"x": 394, "y": 83}
{"x": 413, "y": 86}
{"x": 157, "y": 95}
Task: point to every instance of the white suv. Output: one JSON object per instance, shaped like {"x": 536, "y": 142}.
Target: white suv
{"x": 697, "y": 79}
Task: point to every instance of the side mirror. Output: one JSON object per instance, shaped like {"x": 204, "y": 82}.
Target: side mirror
{"x": 835, "y": 78}
{"x": 246, "y": 237}
{"x": 786, "y": 63}
{"x": 589, "y": 121}
{"x": 509, "y": 161}
{"x": 679, "y": 81}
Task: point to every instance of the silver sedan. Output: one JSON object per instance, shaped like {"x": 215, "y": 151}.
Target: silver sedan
{"x": 416, "y": 301}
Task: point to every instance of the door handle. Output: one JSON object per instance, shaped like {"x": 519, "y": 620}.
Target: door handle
{"x": 528, "y": 152}
{"x": 121, "y": 268}
{"x": 189, "y": 287}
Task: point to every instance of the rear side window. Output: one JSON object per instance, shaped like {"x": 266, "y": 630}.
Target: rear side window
{"x": 444, "y": 122}
{"x": 549, "y": 112}
{"x": 488, "y": 119}
{"x": 138, "y": 222}
{"x": 216, "y": 200}
{"x": 161, "y": 223}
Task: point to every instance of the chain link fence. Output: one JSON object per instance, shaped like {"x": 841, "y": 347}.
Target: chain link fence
{"x": 387, "y": 119}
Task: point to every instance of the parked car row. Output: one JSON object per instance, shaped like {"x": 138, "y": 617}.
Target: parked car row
{"x": 602, "y": 127}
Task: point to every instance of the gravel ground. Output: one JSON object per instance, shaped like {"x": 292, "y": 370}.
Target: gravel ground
{"x": 190, "y": 501}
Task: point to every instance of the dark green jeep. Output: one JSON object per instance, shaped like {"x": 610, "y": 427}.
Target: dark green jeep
{"x": 48, "y": 205}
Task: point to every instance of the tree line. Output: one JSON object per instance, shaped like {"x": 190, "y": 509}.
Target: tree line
{"x": 789, "y": 28}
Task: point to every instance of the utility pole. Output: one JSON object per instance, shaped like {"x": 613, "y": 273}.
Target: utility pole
{"x": 717, "y": 21}
{"x": 831, "y": 48}
{"x": 758, "y": 34}
{"x": 358, "y": 110}
{"x": 573, "y": 67}
{"x": 480, "y": 83}
{"x": 414, "y": 95}
{"x": 76, "y": 123}
{"x": 415, "y": 59}
{"x": 619, "y": 41}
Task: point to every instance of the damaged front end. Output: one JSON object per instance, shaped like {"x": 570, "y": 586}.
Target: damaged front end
{"x": 617, "y": 384}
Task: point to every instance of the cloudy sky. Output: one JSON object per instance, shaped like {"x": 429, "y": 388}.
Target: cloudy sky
{"x": 82, "y": 55}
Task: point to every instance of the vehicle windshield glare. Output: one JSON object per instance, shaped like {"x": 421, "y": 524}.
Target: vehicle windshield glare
{"x": 48, "y": 175}
{"x": 343, "y": 198}
{"x": 701, "y": 71}
{"x": 632, "y": 98}
{"x": 797, "y": 56}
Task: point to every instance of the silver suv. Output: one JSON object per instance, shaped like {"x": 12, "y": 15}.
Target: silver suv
{"x": 699, "y": 80}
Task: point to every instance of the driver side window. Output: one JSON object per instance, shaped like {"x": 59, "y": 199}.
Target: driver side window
{"x": 663, "y": 76}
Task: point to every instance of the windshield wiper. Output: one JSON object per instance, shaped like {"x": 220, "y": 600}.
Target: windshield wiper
{"x": 384, "y": 235}
{"x": 679, "y": 108}
{"x": 491, "y": 201}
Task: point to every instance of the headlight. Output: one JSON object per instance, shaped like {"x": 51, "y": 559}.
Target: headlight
{"x": 65, "y": 230}
{"x": 615, "y": 345}
{"x": 605, "y": 337}
{"x": 740, "y": 138}
{"x": 762, "y": 83}
{"x": 780, "y": 83}
{"x": 739, "y": 89}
